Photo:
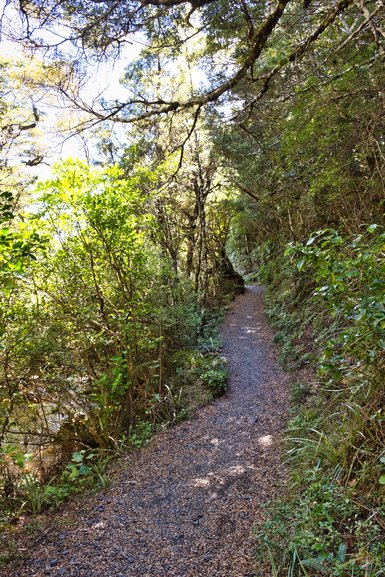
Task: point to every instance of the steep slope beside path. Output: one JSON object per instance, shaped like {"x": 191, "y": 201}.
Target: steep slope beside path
{"x": 186, "y": 504}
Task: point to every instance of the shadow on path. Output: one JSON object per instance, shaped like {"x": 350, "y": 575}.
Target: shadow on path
{"x": 186, "y": 505}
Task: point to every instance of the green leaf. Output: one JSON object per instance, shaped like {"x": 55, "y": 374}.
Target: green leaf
{"x": 341, "y": 555}
{"x": 381, "y": 480}
{"x": 74, "y": 474}
{"x": 77, "y": 457}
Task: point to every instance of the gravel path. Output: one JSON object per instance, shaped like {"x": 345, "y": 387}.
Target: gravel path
{"x": 185, "y": 505}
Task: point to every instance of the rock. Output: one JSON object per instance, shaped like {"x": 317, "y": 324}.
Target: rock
{"x": 197, "y": 520}
{"x": 178, "y": 538}
{"x": 53, "y": 562}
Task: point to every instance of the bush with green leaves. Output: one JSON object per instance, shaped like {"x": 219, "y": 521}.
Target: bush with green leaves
{"x": 94, "y": 323}
{"x": 329, "y": 520}
{"x": 350, "y": 285}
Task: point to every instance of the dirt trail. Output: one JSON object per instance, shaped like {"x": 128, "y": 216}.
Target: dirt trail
{"x": 185, "y": 505}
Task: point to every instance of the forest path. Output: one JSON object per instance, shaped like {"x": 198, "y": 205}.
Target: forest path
{"x": 185, "y": 505}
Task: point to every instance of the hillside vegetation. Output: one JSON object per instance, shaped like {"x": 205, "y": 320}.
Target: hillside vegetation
{"x": 311, "y": 227}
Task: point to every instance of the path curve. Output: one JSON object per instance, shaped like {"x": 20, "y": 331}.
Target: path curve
{"x": 185, "y": 505}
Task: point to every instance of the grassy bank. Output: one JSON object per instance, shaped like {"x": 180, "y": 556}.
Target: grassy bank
{"x": 326, "y": 302}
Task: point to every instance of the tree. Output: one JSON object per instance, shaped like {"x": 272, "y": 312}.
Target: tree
{"x": 259, "y": 42}
{"x": 312, "y": 154}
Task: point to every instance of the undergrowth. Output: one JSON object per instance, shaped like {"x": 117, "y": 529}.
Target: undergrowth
{"x": 326, "y": 300}
{"x": 198, "y": 375}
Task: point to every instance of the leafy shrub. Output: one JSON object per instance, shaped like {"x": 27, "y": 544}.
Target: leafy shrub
{"x": 329, "y": 521}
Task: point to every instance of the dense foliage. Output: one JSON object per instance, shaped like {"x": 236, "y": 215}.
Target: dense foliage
{"x": 310, "y": 226}
{"x": 326, "y": 305}
{"x": 104, "y": 321}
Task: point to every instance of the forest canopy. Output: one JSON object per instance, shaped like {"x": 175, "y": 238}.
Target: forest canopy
{"x": 240, "y": 48}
